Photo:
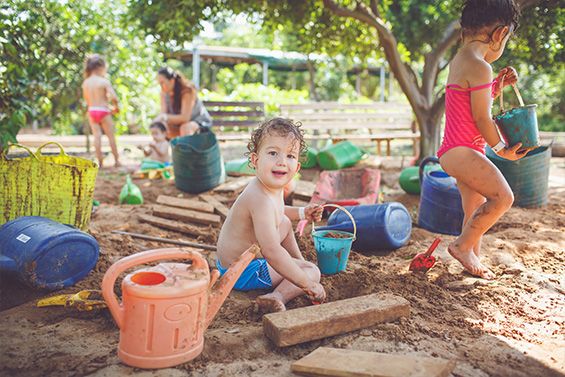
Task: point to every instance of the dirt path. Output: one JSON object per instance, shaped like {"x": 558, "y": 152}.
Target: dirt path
{"x": 513, "y": 326}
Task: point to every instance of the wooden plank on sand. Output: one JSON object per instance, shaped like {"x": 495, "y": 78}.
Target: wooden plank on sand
{"x": 185, "y": 203}
{"x": 185, "y": 215}
{"x": 173, "y": 225}
{"x": 338, "y": 317}
{"x": 235, "y": 185}
{"x": 326, "y": 361}
{"x": 304, "y": 190}
{"x": 220, "y": 208}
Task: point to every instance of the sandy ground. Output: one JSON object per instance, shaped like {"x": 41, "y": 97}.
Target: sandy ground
{"x": 513, "y": 326}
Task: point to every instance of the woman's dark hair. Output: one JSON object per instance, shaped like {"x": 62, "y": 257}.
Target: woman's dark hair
{"x": 181, "y": 85}
{"x": 93, "y": 62}
{"x": 158, "y": 125}
{"x": 478, "y": 14}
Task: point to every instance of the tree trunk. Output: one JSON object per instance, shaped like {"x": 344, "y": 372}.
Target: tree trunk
{"x": 311, "y": 77}
{"x": 430, "y": 133}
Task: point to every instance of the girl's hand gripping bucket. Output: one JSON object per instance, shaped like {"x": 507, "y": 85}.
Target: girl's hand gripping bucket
{"x": 520, "y": 124}
{"x": 333, "y": 252}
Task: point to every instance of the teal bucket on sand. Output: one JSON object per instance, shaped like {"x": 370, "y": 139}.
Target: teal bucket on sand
{"x": 333, "y": 252}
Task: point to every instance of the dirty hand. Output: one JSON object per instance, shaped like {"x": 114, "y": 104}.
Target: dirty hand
{"x": 313, "y": 212}
{"x": 315, "y": 292}
{"x": 115, "y": 110}
{"x": 514, "y": 153}
{"x": 510, "y": 78}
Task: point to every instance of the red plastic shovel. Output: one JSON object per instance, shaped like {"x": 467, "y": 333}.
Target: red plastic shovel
{"x": 424, "y": 261}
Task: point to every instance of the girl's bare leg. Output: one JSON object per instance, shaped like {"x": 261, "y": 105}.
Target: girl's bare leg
{"x": 108, "y": 127}
{"x": 97, "y": 134}
{"x": 471, "y": 201}
{"x": 480, "y": 175}
{"x": 285, "y": 290}
{"x": 189, "y": 128}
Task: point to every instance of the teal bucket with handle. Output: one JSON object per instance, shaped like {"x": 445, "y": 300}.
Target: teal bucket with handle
{"x": 333, "y": 252}
{"x": 520, "y": 124}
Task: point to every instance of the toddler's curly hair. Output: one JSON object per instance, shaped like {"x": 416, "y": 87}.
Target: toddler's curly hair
{"x": 279, "y": 127}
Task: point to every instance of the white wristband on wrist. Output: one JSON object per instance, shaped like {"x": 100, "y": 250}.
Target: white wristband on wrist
{"x": 301, "y": 214}
{"x": 498, "y": 147}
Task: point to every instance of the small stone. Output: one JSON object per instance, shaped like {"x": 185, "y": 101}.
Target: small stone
{"x": 253, "y": 367}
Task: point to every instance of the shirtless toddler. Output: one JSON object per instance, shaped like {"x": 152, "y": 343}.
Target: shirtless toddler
{"x": 259, "y": 216}
{"x": 97, "y": 92}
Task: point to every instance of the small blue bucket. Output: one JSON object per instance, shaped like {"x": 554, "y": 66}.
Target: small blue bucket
{"x": 333, "y": 253}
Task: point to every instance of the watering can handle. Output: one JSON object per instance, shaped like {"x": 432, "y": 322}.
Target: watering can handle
{"x": 520, "y": 100}
{"x": 423, "y": 164}
{"x": 61, "y": 149}
{"x": 5, "y": 151}
{"x": 117, "y": 310}
{"x": 346, "y": 212}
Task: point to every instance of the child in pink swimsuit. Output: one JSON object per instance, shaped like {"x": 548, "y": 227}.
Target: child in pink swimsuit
{"x": 97, "y": 92}
{"x": 485, "y": 194}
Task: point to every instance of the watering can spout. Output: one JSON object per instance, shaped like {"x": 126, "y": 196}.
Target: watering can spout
{"x": 221, "y": 290}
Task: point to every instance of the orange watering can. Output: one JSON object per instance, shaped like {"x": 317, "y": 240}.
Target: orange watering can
{"x": 165, "y": 309}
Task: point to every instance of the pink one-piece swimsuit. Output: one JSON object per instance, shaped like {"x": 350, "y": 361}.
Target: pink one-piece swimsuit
{"x": 460, "y": 128}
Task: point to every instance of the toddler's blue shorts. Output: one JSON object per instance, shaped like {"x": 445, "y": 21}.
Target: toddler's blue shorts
{"x": 255, "y": 276}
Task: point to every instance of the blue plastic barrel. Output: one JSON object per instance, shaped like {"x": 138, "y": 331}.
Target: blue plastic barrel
{"x": 379, "y": 226}
{"x": 197, "y": 162}
{"x": 46, "y": 254}
{"x": 528, "y": 177}
{"x": 440, "y": 201}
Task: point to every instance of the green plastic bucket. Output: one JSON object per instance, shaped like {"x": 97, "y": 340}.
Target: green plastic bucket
{"x": 528, "y": 177}
{"x": 520, "y": 124}
{"x": 239, "y": 166}
{"x": 197, "y": 162}
{"x": 333, "y": 253}
{"x": 410, "y": 178}
{"x": 338, "y": 156}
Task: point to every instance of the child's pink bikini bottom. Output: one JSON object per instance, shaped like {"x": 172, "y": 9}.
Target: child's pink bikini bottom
{"x": 97, "y": 113}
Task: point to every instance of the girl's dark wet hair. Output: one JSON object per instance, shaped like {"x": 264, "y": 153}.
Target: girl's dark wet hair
{"x": 478, "y": 14}
{"x": 158, "y": 125}
{"x": 92, "y": 63}
{"x": 181, "y": 85}
{"x": 279, "y": 127}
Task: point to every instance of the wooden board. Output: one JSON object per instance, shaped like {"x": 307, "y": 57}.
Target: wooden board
{"x": 219, "y": 207}
{"x": 326, "y": 361}
{"x": 320, "y": 321}
{"x": 173, "y": 225}
{"x": 235, "y": 185}
{"x": 304, "y": 190}
{"x": 185, "y": 215}
{"x": 185, "y": 203}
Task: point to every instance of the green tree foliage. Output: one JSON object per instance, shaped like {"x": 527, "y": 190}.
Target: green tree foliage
{"x": 417, "y": 37}
{"x": 44, "y": 44}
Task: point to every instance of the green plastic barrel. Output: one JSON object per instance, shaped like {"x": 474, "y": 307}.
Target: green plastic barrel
{"x": 338, "y": 156}
{"x": 197, "y": 162}
{"x": 311, "y": 158}
{"x": 528, "y": 177}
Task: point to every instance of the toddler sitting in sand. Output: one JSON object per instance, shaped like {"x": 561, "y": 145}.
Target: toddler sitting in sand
{"x": 158, "y": 149}
{"x": 260, "y": 216}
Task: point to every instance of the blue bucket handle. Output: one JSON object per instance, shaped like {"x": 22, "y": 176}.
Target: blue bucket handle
{"x": 425, "y": 161}
{"x": 346, "y": 212}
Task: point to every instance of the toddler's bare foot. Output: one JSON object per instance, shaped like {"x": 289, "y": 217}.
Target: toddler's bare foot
{"x": 271, "y": 302}
{"x": 117, "y": 164}
{"x": 471, "y": 263}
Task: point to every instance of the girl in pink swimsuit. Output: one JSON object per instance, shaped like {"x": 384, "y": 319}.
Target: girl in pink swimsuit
{"x": 97, "y": 92}
{"x": 486, "y": 196}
